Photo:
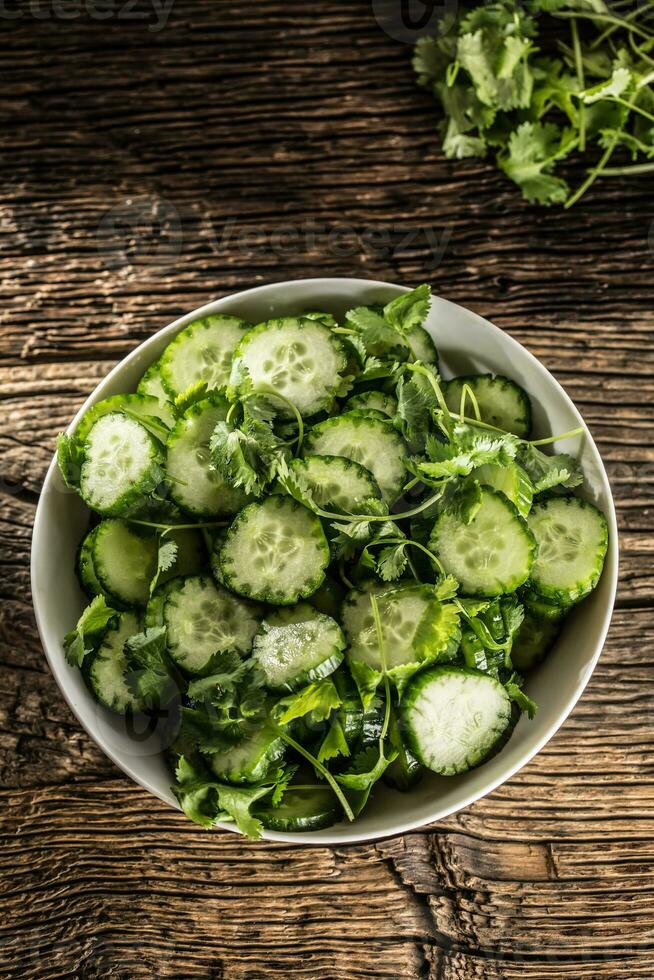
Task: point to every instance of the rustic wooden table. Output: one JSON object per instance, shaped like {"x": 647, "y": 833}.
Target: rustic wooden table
{"x": 146, "y": 172}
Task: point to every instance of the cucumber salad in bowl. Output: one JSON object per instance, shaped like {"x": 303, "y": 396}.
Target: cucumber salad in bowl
{"x": 321, "y": 562}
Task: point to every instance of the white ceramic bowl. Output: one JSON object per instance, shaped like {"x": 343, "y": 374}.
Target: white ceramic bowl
{"x": 467, "y": 343}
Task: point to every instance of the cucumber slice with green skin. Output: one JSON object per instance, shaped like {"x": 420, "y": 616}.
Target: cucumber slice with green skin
{"x": 125, "y": 561}
{"x": 368, "y": 441}
{"x": 296, "y": 646}
{"x": 202, "y": 351}
{"x": 543, "y": 608}
{"x": 534, "y": 640}
{"x": 350, "y": 713}
{"x": 301, "y": 809}
{"x": 202, "y": 618}
{"x": 511, "y": 480}
{"x": 453, "y": 718}
{"x": 405, "y": 771}
{"x": 107, "y": 671}
{"x": 152, "y": 385}
{"x": 250, "y": 760}
{"x": 422, "y": 346}
{"x": 379, "y": 401}
{"x": 154, "y": 611}
{"x": 275, "y": 551}
{"x": 336, "y": 482}
{"x": 140, "y": 407}
{"x": 196, "y": 486}
{"x": 297, "y": 357}
{"x": 123, "y": 465}
{"x": 491, "y": 555}
{"x": 572, "y": 538}
{"x": 328, "y": 598}
{"x": 85, "y": 570}
{"x": 417, "y": 629}
{"x": 502, "y": 402}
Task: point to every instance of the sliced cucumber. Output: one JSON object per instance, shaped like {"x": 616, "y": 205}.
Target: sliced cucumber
{"x": 296, "y": 646}
{"x": 275, "y": 551}
{"x": 123, "y": 465}
{"x": 336, "y": 482}
{"x": 202, "y": 351}
{"x": 405, "y": 771}
{"x": 85, "y": 570}
{"x": 310, "y": 808}
{"x": 422, "y": 346}
{"x": 328, "y": 598}
{"x": 416, "y": 628}
{"x": 543, "y": 608}
{"x": 534, "y": 640}
{"x": 368, "y": 441}
{"x": 203, "y": 618}
{"x": 109, "y": 666}
{"x": 453, "y": 717}
{"x": 154, "y": 611}
{"x": 140, "y": 407}
{"x": 501, "y": 402}
{"x": 572, "y": 538}
{"x": 152, "y": 385}
{"x": 511, "y": 480}
{"x": 491, "y": 555}
{"x": 297, "y": 357}
{"x": 378, "y": 401}
{"x": 125, "y": 561}
{"x": 250, "y": 760}
{"x": 195, "y": 485}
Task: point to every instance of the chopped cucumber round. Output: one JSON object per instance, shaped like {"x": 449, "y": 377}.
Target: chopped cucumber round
{"x": 297, "y": 357}
{"x": 202, "y": 618}
{"x": 511, "y": 480}
{"x": 369, "y": 441}
{"x": 143, "y": 408}
{"x": 296, "y": 646}
{"x": 491, "y": 555}
{"x": 195, "y": 485}
{"x": 572, "y": 538}
{"x": 336, "y": 482}
{"x": 378, "y": 401}
{"x": 125, "y": 561}
{"x": 303, "y": 808}
{"x": 85, "y": 570}
{"x": 202, "y": 351}
{"x": 152, "y": 385}
{"x": 275, "y": 551}
{"x": 250, "y": 760}
{"x": 109, "y": 666}
{"x": 123, "y": 465}
{"x": 453, "y": 717}
{"x": 501, "y": 402}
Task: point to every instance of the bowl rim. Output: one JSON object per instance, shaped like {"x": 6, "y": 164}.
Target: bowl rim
{"x": 610, "y": 568}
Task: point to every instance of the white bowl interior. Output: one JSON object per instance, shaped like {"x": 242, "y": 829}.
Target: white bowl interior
{"x": 467, "y": 343}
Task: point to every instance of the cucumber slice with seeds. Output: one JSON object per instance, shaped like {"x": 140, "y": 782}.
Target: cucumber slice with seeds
{"x": 140, "y": 407}
{"x": 125, "y": 561}
{"x": 379, "y": 401}
{"x": 152, "y": 385}
{"x": 298, "y": 357}
{"x": 202, "y": 618}
{"x": 301, "y": 809}
{"x": 491, "y": 555}
{"x": 85, "y": 570}
{"x": 123, "y": 465}
{"x": 250, "y": 760}
{"x": 336, "y": 482}
{"x": 297, "y": 646}
{"x": 109, "y": 665}
{"x": 511, "y": 480}
{"x": 572, "y": 538}
{"x": 371, "y": 442}
{"x": 202, "y": 351}
{"x": 534, "y": 640}
{"x": 502, "y": 402}
{"x": 275, "y": 551}
{"x": 454, "y": 717}
{"x": 196, "y": 486}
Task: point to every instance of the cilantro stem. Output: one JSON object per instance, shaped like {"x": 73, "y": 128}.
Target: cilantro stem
{"x": 416, "y": 544}
{"x": 150, "y": 422}
{"x": 564, "y": 435}
{"x": 636, "y": 168}
{"x": 467, "y": 392}
{"x": 594, "y": 173}
{"x": 579, "y": 66}
{"x": 633, "y": 107}
{"x": 320, "y": 768}
{"x": 603, "y": 19}
{"x": 344, "y": 578}
{"x": 421, "y": 369}
{"x": 267, "y": 390}
{"x": 382, "y": 657}
{"x": 167, "y": 528}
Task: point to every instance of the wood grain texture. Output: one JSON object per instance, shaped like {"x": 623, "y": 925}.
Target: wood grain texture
{"x": 145, "y": 173}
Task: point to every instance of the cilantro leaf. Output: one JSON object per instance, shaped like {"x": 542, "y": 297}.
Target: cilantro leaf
{"x": 166, "y": 558}
{"x": 546, "y": 472}
{"x": 88, "y": 633}
{"x": 207, "y": 802}
{"x": 408, "y": 310}
{"x": 392, "y": 562}
{"x": 334, "y": 743}
{"x": 194, "y": 393}
{"x": 150, "y": 674}
{"x": 69, "y": 458}
{"x": 318, "y": 699}
{"x": 531, "y": 152}
{"x": 515, "y": 692}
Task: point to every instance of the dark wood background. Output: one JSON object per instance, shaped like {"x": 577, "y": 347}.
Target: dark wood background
{"x": 144, "y": 173}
